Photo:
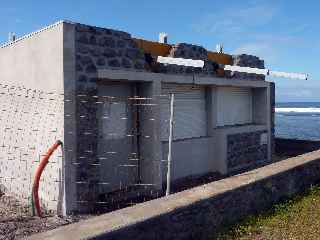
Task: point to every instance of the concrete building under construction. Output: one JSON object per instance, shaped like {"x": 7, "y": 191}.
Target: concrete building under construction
{"x": 105, "y": 96}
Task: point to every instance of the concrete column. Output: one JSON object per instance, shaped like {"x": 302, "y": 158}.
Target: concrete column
{"x": 150, "y": 142}
{"x": 268, "y": 114}
{"x": 272, "y": 113}
{"x": 69, "y": 198}
{"x": 211, "y": 107}
{"x": 217, "y": 161}
{"x": 220, "y": 151}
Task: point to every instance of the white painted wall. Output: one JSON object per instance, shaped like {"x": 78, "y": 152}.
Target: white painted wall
{"x": 31, "y": 118}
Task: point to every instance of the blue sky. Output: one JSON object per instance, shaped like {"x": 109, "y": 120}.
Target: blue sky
{"x": 284, "y": 33}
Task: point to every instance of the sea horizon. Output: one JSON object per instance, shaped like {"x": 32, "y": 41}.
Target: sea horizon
{"x": 297, "y": 120}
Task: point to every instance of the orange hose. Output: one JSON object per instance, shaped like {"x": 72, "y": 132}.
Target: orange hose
{"x": 35, "y": 188}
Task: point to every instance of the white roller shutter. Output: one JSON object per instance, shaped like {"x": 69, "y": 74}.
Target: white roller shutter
{"x": 234, "y": 106}
{"x": 189, "y": 111}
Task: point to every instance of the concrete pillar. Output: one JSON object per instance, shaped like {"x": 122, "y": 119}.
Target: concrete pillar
{"x": 69, "y": 193}
{"x": 150, "y": 142}
{"x": 260, "y": 99}
{"x": 268, "y": 117}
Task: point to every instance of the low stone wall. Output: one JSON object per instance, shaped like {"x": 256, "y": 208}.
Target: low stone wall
{"x": 201, "y": 211}
{"x": 294, "y": 147}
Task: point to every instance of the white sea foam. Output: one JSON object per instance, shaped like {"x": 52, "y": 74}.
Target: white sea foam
{"x": 297, "y": 110}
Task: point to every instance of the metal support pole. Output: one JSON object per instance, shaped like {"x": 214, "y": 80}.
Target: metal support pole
{"x": 170, "y": 145}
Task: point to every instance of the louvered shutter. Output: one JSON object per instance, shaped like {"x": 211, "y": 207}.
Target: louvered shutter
{"x": 234, "y": 106}
{"x": 189, "y": 111}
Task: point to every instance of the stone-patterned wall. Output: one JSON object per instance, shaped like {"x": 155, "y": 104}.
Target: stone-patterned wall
{"x": 245, "y": 60}
{"x": 105, "y": 48}
{"x": 189, "y": 51}
{"x": 96, "y": 48}
{"x": 31, "y": 121}
{"x": 245, "y": 150}
{"x": 99, "y": 48}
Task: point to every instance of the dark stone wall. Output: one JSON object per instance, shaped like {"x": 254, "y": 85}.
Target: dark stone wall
{"x": 244, "y": 60}
{"x": 294, "y": 147}
{"x": 189, "y": 51}
{"x": 100, "y": 48}
{"x": 244, "y": 150}
{"x": 96, "y": 48}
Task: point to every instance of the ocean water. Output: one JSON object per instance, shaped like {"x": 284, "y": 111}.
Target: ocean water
{"x": 299, "y": 120}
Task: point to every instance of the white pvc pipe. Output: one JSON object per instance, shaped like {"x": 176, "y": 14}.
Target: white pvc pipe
{"x": 170, "y": 145}
{"x": 266, "y": 72}
{"x": 181, "y": 61}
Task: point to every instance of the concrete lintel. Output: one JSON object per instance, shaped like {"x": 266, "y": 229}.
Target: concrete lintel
{"x": 241, "y": 129}
{"x": 171, "y": 78}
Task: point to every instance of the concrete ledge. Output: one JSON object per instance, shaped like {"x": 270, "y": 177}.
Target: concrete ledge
{"x": 116, "y": 74}
{"x": 195, "y": 213}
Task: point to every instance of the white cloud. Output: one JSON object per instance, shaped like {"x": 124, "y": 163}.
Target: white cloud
{"x": 237, "y": 19}
{"x": 260, "y": 49}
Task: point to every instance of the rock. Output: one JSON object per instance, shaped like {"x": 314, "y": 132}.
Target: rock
{"x": 184, "y": 50}
{"x": 82, "y": 78}
{"x": 85, "y": 60}
{"x": 126, "y": 63}
{"x": 93, "y": 40}
{"x": 96, "y": 52}
{"x": 109, "y": 53}
{"x": 121, "y": 44}
{"x": 114, "y": 63}
{"x": 133, "y": 53}
{"x": 139, "y": 65}
{"x": 83, "y": 39}
{"x": 101, "y": 61}
{"x": 79, "y": 67}
{"x": 91, "y": 68}
{"x": 107, "y": 42}
{"x": 84, "y": 49}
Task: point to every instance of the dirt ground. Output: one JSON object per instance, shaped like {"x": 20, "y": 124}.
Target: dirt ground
{"x": 16, "y": 222}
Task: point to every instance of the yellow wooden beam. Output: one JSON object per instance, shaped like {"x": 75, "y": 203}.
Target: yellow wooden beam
{"x": 161, "y": 49}
{"x": 154, "y": 48}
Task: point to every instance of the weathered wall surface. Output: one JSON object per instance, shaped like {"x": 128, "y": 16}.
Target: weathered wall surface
{"x": 32, "y": 114}
{"x": 197, "y": 213}
{"x": 245, "y": 150}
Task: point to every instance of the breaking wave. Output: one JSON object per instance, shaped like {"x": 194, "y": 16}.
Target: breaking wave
{"x": 297, "y": 110}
